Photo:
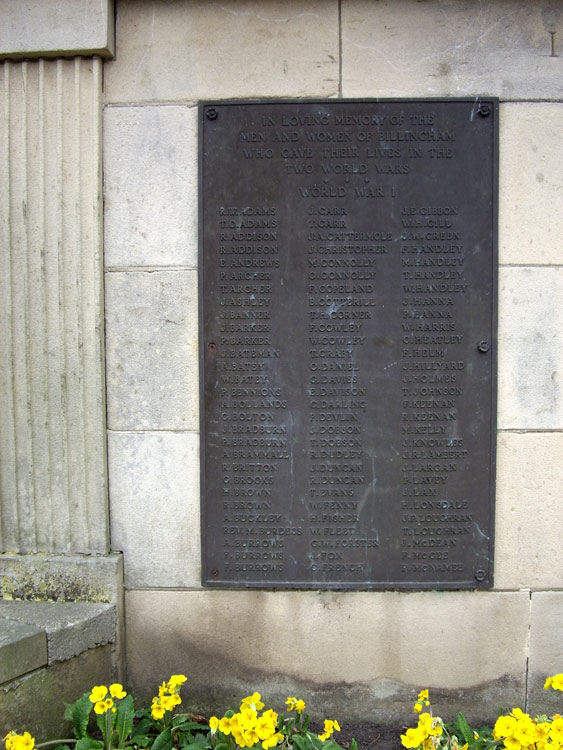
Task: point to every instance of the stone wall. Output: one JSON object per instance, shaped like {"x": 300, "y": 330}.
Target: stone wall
{"x": 356, "y": 654}
{"x": 364, "y": 654}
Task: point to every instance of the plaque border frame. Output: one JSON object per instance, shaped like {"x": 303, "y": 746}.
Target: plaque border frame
{"x": 207, "y": 576}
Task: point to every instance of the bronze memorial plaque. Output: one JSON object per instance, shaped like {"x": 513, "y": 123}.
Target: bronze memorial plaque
{"x": 348, "y": 285}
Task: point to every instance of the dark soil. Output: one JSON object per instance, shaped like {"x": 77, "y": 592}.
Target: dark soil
{"x": 370, "y": 736}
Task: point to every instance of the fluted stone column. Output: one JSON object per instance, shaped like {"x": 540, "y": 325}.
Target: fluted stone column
{"x": 52, "y": 456}
{"x": 53, "y": 475}
{"x": 54, "y": 515}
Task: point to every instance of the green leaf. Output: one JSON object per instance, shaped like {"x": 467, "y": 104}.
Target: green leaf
{"x": 141, "y": 738}
{"x": 306, "y": 722}
{"x": 101, "y": 722}
{"x": 124, "y": 719}
{"x": 143, "y": 727}
{"x": 222, "y": 746}
{"x": 353, "y": 745}
{"x": 87, "y": 743}
{"x": 465, "y": 729}
{"x": 302, "y": 742}
{"x": 79, "y": 715}
{"x": 330, "y": 745}
{"x": 163, "y": 741}
{"x": 180, "y": 723}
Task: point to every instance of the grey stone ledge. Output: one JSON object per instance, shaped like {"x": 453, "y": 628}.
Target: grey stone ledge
{"x": 69, "y": 628}
{"x": 73, "y": 578}
{"x": 23, "y": 648}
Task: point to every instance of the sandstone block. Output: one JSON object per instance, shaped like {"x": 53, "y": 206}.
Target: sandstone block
{"x": 546, "y": 651}
{"x": 224, "y": 50}
{"x": 151, "y": 340}
{"x": 469, "y": 648}
{"x": 529, "y": 516}
{"x": 150, "y": 184}
{"x": 530, "y": 348}
{"x": 155, "y": 507}
{"x": 531, "y": 183}
{"x": 433, "y": 48}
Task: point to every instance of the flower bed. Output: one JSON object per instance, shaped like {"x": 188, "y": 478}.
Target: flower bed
{"x": 118, "y": 726}
{"x": 160, "y": 727}
{"x": 514, "y": 731}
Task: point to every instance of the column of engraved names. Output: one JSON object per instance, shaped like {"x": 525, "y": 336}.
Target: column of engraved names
{"x": 435, "y": 519}
{"x": 341, "y": 283}
{"x": 254, "y": 443}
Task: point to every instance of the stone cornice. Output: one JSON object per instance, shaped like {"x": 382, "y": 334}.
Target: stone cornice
{"x": 51, "y": 28}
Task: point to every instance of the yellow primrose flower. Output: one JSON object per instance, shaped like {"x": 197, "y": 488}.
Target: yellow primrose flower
{"x": 247, "y": 717}
{"x": 157, "y": 711}
{"x": 412, "y": 738}
{"x": 102, "y": 706}
{"x": 225, "y": 725}
{"x": 163, "y": 690}
{"x": 330, "y": 726}
{"x": 504, "y": 727}
{"x": 116, "y": 690}
{"x": 19, "y": 741}
{"x": 251, "y": 737}
{"x": 176, "y": 680}
{"x": 271, "y": 716}
{"x": 167, "y": 702}
{"x": 239, "y": 737}
{"x": 98, "y": 693}
{"x": 556, "y": 732}
{"x": 272, "y": 741}
{"x": 542, "y": 730}
{"x": 264, "y": 728}
{"x": 295, "y": 704}
{"x": 423, "y": 695}
{"x": 253, "y": 701}
{"x": 425, "y": 720}
{"x": 526, "y": 733}
{"x": 417, "y": 708}
{"x": 213, "y": 724}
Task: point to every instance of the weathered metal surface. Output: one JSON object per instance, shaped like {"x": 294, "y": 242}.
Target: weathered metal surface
{"x": 348, "y": 343}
